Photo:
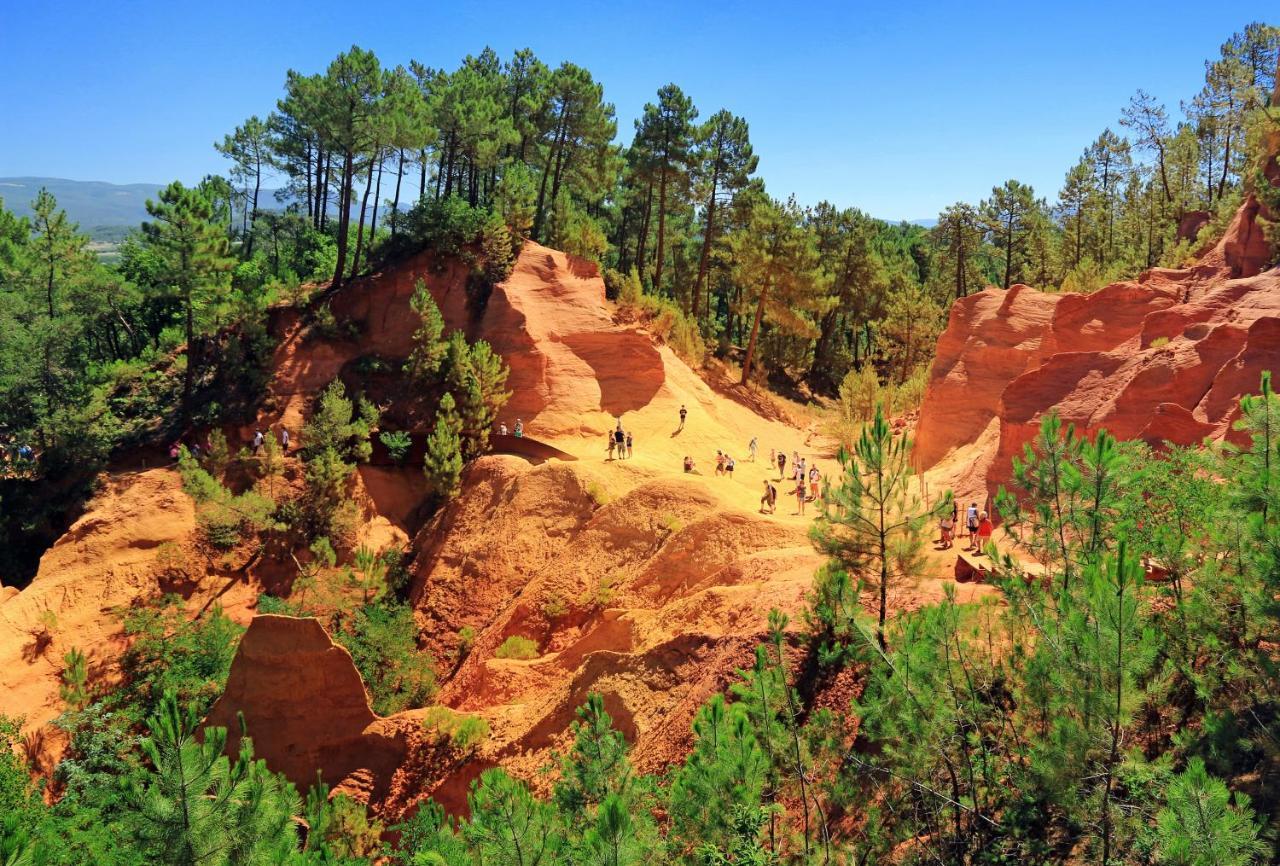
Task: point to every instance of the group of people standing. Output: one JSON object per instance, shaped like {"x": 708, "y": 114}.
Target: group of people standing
{"x": 977, "y": 524}
{"x": 806, "y": 481}
{"x": 621, "y": 442}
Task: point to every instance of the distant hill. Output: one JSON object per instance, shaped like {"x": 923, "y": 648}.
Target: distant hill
{"x": 105, "y": 211}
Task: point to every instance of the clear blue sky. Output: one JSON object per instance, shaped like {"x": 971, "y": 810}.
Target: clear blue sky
{"x": 898, "y": 108}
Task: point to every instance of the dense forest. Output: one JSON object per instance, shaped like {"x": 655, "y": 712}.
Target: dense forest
{"x": 1094, "y": 718}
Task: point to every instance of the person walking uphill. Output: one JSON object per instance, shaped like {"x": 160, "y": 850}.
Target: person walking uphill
{"x": 971, "y": 524}
{"x": 683, "y": 412}
{"x": 782, "y": 464}
{"x": 630, "y": 442}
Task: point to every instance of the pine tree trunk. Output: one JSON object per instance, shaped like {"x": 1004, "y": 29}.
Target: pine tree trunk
{"x": 395, "y": 204}
{"x": 323, "y": 191}
{"x": 642, "y": 244}
{"x": 755, "y": 334}
{"x": 344, "y": 217}
{"x": 1008, "y": 251}
{"x": 377, "y": 197}
{"x": 253, "y": 217}
{"x": 552, "y": 156}
{"x": 565, "y": 149}
{"x": 307, "y": 175}
{"x": 705, "y": 259}
{"x": 662, "y": 226}
{"x": 364, "y": 204}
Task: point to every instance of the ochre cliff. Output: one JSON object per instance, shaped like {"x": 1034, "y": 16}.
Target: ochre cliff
{"x": 1161, "y": 358}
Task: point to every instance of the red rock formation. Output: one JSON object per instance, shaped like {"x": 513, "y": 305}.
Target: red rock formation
{"x": 305, "y": 707}
{"x": 106, "y": 560}
{"x": 1191, "y": 224}
{"x": 1162, "y": 358}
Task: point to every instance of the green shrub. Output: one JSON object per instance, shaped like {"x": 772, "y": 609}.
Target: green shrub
{"x": 466, "y": 640}
{"x": 464, "y": 731}
{"x": 597, "y": 493}
{"x": 382, "y": 638}
{"x": 271, "y": 604}
{"x": 517, "y": 647}
{"x": 554, "y": 606}
{"x": 169, "y": 652}
{"x": 224, "y": 517}
{"x": 445, "y": 225}
{"x": 397, "y": 443}
{"x": 662, "y": 316}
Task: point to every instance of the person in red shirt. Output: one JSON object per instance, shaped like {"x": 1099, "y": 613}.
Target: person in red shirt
{"x": 984, "y": 531}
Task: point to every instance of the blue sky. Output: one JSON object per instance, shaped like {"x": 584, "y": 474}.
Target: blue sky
{"x": 898, "y": 108}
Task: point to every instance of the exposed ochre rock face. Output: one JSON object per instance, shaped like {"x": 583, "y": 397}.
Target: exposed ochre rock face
{"x": 1161, "y": 358}
{"x": 111, "y": 557}
{"x": 304, "y": 706}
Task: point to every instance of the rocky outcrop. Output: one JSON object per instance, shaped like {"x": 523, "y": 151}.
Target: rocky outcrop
{"x": 1162, "y": 358}
{"x": 124, "y": 549}
{"x": 305, "y": 707}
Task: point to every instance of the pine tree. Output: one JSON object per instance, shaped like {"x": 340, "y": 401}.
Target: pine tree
{"x": 443, "y": 460}
{"x": 724, "y": 162}
{"x": 508, "y": 824}
{"x": 429, "y": 345}
{"x": 870, "y": 521}
{"x": 74, "y": 690}
{"x": 249, "y": 149}
{"x": 596, "y": 766}
{"x": 1201, "y": 826}
{"x": 667, "y": 128}
{"x": 199, "y": 807}
{"x": 958, "y": 236}
{"x": 775, "y": 261}
{"x": 196, "y": 259}
{"x": 724, "y": 771}
{"x": 1008, "y": 216}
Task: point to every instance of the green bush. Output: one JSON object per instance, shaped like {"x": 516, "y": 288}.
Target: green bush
{"x": 517, "y": 647}
{"x": 382, "y": 638}
{"x": 662, "y": 316}
{"x": 444, "y": 225}
{"x": 464, "y": 731}
{"x": 397, "y": 443}
{"x": 170, "y": 652}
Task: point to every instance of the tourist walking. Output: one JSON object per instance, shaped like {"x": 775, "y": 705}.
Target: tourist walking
{"x": 683, "y": 412}
{"x": 754, "y": 448}
{"x": 770, "y": 498}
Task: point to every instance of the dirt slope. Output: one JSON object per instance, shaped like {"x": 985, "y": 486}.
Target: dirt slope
{"x": 119, "y": 553}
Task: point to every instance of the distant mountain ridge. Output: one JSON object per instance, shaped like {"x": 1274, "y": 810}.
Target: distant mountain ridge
{"x": 105, "y": 211}
{"x": 94, "y": 204}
